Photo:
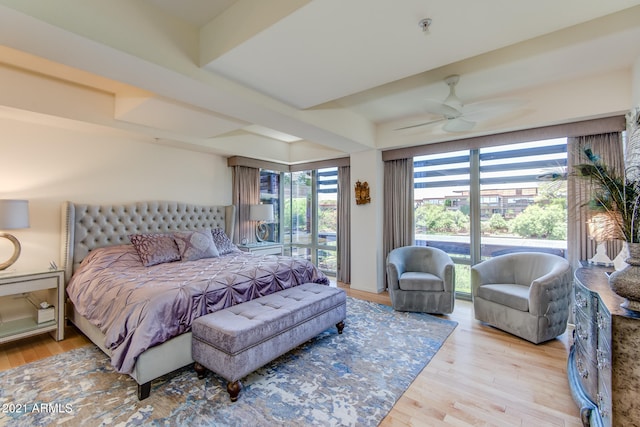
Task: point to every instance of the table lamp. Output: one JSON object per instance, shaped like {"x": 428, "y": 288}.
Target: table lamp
{"x": 599, "y": 231}
{"x": 14, "y": 214}
{"x": 261, "y": 214}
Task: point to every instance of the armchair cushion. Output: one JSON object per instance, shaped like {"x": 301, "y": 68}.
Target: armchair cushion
{"x": 514, "y": 296}
{"x": 419, "y": 281}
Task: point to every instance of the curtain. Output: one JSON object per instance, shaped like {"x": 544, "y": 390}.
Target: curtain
{"x": 609, "y": 147}
{"x": 344, "y": 224}
{"x": 246, "y": 192}
{"x": 398, "y": 228}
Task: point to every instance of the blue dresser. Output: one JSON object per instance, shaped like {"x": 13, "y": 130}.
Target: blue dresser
{"x": 604, "y": 361}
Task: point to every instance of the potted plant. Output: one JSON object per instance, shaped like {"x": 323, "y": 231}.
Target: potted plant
{"x": 617, "y": 199}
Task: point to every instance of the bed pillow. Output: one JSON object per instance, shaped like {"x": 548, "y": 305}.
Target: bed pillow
{"x": 155, "y": 248}
{"x": 222, "y": 241}
{"x": 195, "y": 245}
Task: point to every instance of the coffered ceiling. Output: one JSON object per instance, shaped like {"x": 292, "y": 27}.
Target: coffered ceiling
{"x": 300, "y": 80}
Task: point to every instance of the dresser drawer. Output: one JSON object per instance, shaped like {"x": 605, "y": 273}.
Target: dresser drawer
{"x": 587, "y": 368}
{"x": 584, "y": 301}
{"x": 586, "y": 330}
{"x": 603, "y": 327}
{"x": 603, "y": 397}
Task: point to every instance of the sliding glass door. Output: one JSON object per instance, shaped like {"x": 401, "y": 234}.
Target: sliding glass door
{"x": 298, "y": 214}
{"x": 270, "y": 195}
{"x": 310, "y": 216}
{"x": 327, "y": 210}
{"x": 476, "y": 204}
{"x": 442, "y": 208}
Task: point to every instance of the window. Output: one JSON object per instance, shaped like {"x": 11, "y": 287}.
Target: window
{"x": 310, "y": 216}
{"x": 270, "y": 194}
{"x": 476, "y": 204}
{"x": 327, "y": 195}
{"x": 442, "y": 208}
{"x": 529, "y": 213}
{"x": 297, "y": 211}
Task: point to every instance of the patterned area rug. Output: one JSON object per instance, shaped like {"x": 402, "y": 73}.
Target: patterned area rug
{"x": 351, "y": 379}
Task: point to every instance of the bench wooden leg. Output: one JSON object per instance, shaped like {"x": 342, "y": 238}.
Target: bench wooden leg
{"x": 340, "y": 327}
{"x": 144, "y": 390}
{"x": 234, "y": 389}
{"x": 200, "y": 370}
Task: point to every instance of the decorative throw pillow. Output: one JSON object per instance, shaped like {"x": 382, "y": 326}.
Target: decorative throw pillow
{"x": 222, "y": 241}
{"x": 195, "y": 245}
{"x": 155, "y": 248}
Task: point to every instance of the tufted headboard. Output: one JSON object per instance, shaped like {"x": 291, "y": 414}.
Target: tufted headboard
{"x": 87, "y": 227}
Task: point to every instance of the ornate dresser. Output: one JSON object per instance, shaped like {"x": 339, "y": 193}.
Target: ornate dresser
{"x": 604, "y": 361}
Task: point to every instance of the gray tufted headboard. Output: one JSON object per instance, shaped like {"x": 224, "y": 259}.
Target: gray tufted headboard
{"x": 87, "y": 227}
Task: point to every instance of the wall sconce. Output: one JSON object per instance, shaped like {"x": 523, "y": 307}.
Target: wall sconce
{"x": 262, "y": 214}
{"x": 362, "y": 193}
{"x": 14, "y": 214}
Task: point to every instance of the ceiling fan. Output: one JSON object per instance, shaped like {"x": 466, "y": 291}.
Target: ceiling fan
{"x": 459, "y": 117}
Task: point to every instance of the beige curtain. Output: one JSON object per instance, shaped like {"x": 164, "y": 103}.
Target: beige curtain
{"x": 246, "y": 192}
{"x": 609, "y": 147}
{"x": 344, "y": 224}
{"x": 398, "y": 205}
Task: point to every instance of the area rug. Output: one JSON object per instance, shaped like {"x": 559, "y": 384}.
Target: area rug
{"x": 352, "y": 379}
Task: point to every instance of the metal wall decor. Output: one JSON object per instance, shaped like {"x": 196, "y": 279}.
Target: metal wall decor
{"x": 362, "y": 193}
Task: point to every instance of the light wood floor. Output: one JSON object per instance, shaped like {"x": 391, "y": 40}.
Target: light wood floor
{"x": 480, "y": 377}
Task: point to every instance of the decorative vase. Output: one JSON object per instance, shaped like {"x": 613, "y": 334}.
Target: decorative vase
{"x": 626, "y": 282}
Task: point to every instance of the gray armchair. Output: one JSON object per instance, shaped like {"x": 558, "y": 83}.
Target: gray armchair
{"x": 421, "y": 279}
{"x": 526, "y": 294}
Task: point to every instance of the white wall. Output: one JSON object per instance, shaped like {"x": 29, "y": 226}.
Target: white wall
{"x": 367, "y": 263}
{"x": 635, "y": 83}
{"x": 64, "y": 160}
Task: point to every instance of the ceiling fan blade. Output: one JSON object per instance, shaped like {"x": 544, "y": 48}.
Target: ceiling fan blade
{"x": 441, "y": 109}
{"x": 458, "y": 125}
{"x": 421, "y": 124}
{"x": 485, "y": 110}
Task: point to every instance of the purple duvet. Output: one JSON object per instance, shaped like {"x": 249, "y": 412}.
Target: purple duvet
{"x": 137, "y": 307}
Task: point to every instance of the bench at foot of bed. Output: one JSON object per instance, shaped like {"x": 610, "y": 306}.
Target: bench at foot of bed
{"x": 240, "y": 339}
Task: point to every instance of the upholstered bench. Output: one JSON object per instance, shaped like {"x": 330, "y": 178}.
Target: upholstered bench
{"x": 240, "y": 339}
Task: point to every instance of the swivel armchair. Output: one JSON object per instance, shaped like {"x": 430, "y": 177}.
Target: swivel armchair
{"x": 526, "y": 294}
{"x": 421, "y": 279}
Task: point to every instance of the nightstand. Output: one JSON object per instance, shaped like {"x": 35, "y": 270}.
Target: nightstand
{"x": 20, "y": 298}
{"x": 264, "y": 248}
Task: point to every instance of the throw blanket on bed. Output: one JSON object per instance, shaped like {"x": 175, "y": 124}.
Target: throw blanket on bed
{"x": 137, "y": 307}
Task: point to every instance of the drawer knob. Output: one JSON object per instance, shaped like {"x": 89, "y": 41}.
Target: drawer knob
{"x": 602, "y": 321}
{"x": 602, "y": 405}
{"x": 582, "y": 334}
{"x": 584, "y": 373}
{"x": 581, "y": 301}
{"x": 603, "y": 360}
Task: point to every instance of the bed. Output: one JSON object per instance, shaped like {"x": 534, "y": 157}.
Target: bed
{"x": 139, "y": 309}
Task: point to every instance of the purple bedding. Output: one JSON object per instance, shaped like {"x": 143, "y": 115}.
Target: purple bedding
{"x": 137, "y": 307}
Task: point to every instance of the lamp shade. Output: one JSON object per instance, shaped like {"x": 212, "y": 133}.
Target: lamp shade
{"x": 14, "y": 214}
{"x": 261, "y": 213}
{"x": 602, "y": 227}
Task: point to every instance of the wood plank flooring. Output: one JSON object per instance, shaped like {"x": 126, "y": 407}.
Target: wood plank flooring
{"x": 480, "y": 377}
